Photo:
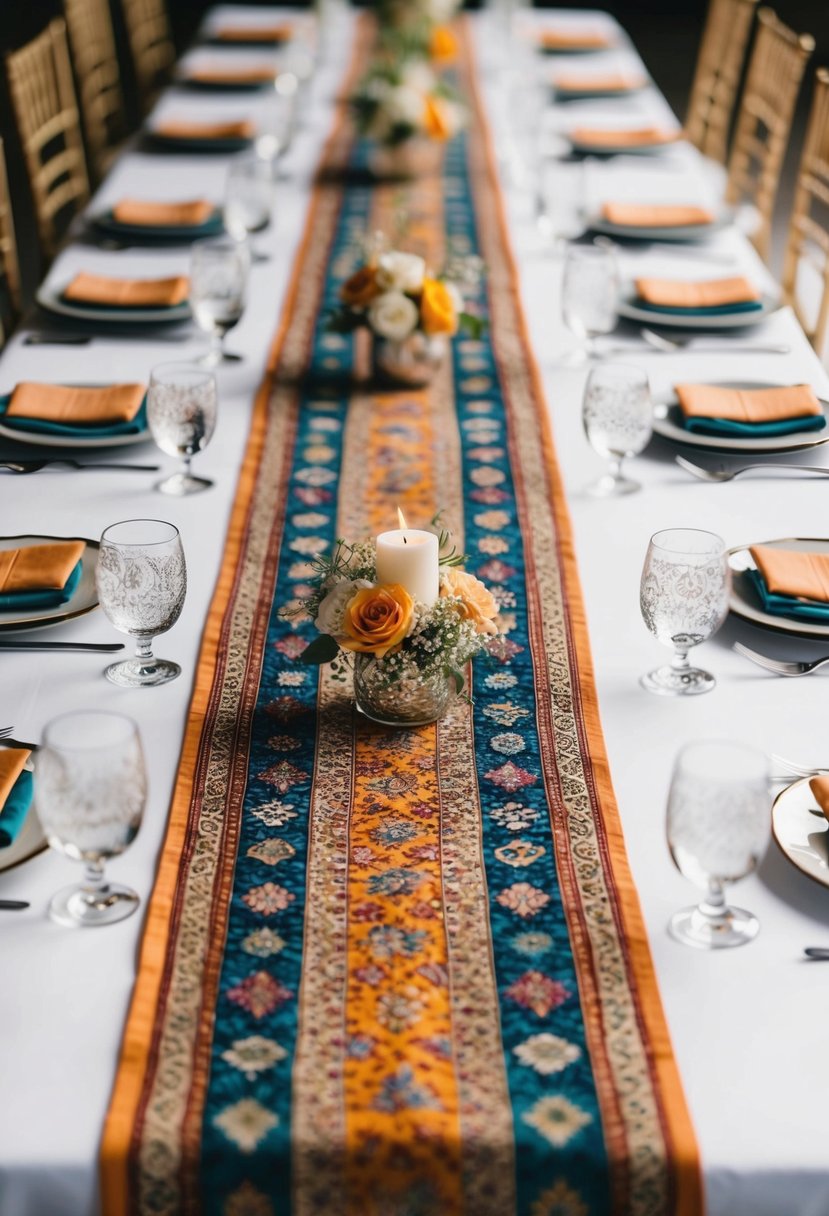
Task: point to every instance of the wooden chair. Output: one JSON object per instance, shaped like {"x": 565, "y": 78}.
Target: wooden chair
{"x": 9, "y": 269}
{"x": 717, "y": 75}
{"x": 806, "y": 266}
{"x": 46, "y": 114}
{"x": 151, "y": 45}
{"x": 775, "y": 71}
{"x": 98, "y": 75}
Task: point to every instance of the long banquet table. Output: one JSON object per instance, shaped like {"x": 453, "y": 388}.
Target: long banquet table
{"x": 745, "y": 1025}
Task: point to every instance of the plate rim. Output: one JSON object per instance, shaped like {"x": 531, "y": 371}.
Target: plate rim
{"x": 717, "y": 443}
{"x": 797, "y": 783}
{"x": 50, "y": 298}
{"x": 19, "y": 626}
{"x": 46, "y": 440}
{"x": 779, "y": 624}
{"x": 688, "y": 233}
{"x": 744, "y": 320}
{"x": 104, "y": 222}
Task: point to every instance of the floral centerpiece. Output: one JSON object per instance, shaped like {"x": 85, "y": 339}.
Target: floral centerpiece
{"x": 409, "y": 114}
{"x": 407, "y": 654}
{"x": 419, "y": 27}
{"x": 410, "y": 313}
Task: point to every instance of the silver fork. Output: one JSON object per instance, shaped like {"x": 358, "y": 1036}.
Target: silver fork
{"x": 797, "y": 770}
{"x": 34, "y": 466}
{"x": 780, "y": 667}
{"x": 5, "y": 730}
{"x": 693, "y": 345}
{"x": 729, "y": 474}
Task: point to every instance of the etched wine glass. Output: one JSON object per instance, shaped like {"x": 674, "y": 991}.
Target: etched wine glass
{"x": 218, "y": 289}
{"x": 142, "y": 580}
{"x": 718, "y": 815}
{"x": 90, "y": 790}
{"x": 181, "y": 412}
{"x": 683, "y": 596}
{"x": 250, "y": 196}
{"x": 590, "y": 294}
{"x": 618, "y": 421}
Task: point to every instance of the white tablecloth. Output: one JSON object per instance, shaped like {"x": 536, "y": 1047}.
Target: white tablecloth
{"x": 746, "y": 1024}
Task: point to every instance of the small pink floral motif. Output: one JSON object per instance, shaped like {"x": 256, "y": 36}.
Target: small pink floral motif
{"x": 523, "y": 899}
{"x": 362, "y": 855}
{"x": 294, "y": 679}
{"x": 367, "y": 912}
{"x": 510, "y": 777}
{"x": 370, "y": 974}
{"x": 435, "y": 974}
{"x": 292, "y": 647}
{"x": 283, "y": 775}
{"x": 259, "y": 994}
{"x": 423, "y": 910}
{"x": 313, "y": 496}
{"x": 536, "y": 991}
{"x": 503, "y": 649}
{"x": 286, "y": 708}
{"x": 422, "y": 852}
{"x": 496, "y": 571}
{"x": 489, "y": 497}
{"x": 268, "y": 899}
{"x": 423, "y": 810}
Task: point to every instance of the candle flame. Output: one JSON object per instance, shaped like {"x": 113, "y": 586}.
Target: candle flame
{"x": 401, "y": 519}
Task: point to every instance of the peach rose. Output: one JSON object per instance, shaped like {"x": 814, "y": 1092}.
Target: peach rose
{"x": 477, "y": 604}
{"x": 377, "y": 619}
{"x": 443, "y": 45}
{"x": 437, "y": 308}
{"x": 436, "y": 120}
{"x": 361, "y": 288}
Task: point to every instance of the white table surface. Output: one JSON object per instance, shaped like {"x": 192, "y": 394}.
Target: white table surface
{"x": 747, "y": 1025}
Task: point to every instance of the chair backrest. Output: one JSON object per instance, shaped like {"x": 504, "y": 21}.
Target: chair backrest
{"x": 151, "y": 44}
{"x": 46, "y": 114}
{"x": 806, "y": 266}
{"x": 99, "y": 78}
{"x": 775, "y": 71}
{"x": 9, "y": 269}
{"x": 717, "y": 76}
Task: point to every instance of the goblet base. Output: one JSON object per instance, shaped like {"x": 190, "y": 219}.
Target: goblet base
{"x": 213, "y": 359}
{"x": 669, "y": 681}
{"x": 734, "y": 927}
{"x": 78, "y": 907}
{"x": 180, "y": 484}
{"x": 134, "y": 673}
{"x": 612, "y": 487}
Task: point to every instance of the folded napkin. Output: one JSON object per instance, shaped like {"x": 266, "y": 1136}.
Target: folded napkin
{"x": 179, "y": 129}
{"x": 708, "y": 296}
{"x": 820, "y": 788}
{"x": 610, "y": 82}
{"x": 232, "y": 76}
{"x": 711, "y": 409}
{"x": 256, "y": 33}
{"x": 73, "y": 406}
{"x": 627, "y": 137}
{"x": 573, "y": 40}
{"x": 40, "y": 576}
{"x": 16, "y": 789}
{"x": 127, "y": 293}
{"x": 656, "y": 215}
{"x": 140, "y": 213}
{"x": 792, "y": 584}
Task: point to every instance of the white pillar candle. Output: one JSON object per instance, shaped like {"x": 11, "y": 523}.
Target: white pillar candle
{"x": 409, "y": 557}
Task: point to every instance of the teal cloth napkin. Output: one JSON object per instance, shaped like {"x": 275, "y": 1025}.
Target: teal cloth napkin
{"x": 212, "y": 226}
{"x": 135, "y": 426}
{"x": 15, "y": 809}
{"x": 718, "y": 310}
{"x": 786, "y": 605}
{"x": 754, "y": 430}
{"x": 12, "y": 600}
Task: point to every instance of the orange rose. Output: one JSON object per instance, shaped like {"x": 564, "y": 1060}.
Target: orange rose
{"x": 437, "y": 308}
{"x": 377, "y": 619}
{"x": 443, "y": 44}
{"x": 477, "y": 604}
{"x": 435, "y": 119}
{"x": 361, "y": 288}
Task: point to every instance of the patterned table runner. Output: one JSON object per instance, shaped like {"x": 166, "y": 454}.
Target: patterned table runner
{"x": 397, "y": 972}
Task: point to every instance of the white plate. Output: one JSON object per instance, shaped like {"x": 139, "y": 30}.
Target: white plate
{"x": 52, "y": 300}
{"x": 30, "y": 840}
{"x": 732, "y": 320}
{"x": 592, "y": 149}
{"x": 801, "y": 836}
{"x": 83, "y": 599}
{"x": 667, "y": 423}
{"x": 688, "y": 232}
{"x": 41, "y": 439}
{"x": 745, "y": 603}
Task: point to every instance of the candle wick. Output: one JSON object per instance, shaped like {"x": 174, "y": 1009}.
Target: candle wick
{"x": 405, "y": 542}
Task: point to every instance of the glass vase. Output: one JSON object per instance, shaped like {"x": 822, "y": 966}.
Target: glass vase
{"x": 409, "y": 701}
{"x": 412, "y": 363}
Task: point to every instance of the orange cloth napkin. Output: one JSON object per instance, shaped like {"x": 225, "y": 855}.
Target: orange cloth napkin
{"x": 256, "y": 33}
{"x": 127, "y": 293}
{"x": 573, "y": 40}
{"x": 785, "y": 572}
{"x": 710, "y": 293}
{"x": 167, "y": 215}
{"x": 820, "y": 788}
{"x": 629, "y": 137}
{"x": 175, "y": 129}
{"x": 12, "y": 761}
{"x": 61, "y": 403}
{"x": 611, "y": 82}
{"x": 232, "y": 76}
{"x": 655, "y": 215}
{"x": 747, "y": 405}
{"x": 39, "y": 567}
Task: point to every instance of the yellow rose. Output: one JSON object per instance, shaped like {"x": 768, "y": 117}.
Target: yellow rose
{"x": 443, "y": 45}
{"x": 435, "y": 118}
{"x": 361, "y": 288}
{"x": 377, "y": 619}
{"x": 437, "y": 308}
{"x": 477, "y": 605}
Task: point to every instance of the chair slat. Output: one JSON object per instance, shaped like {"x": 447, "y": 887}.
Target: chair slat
{"x": 717, "y": 76}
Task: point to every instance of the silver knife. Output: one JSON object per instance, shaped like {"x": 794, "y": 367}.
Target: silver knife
{"x": 57, "y": 339}
{"x": 97, "y": 647}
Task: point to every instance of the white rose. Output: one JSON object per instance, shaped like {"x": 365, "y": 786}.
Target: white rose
{"x": 418, "y": 76}
{"x": 393, "y": 315}
{"x": 441, "y": 11}
{"x": 455, "y": 295}
{"x": 403, "y": 105}
{"x": 400, "y": 271}
{"x": 332, "y": 609}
